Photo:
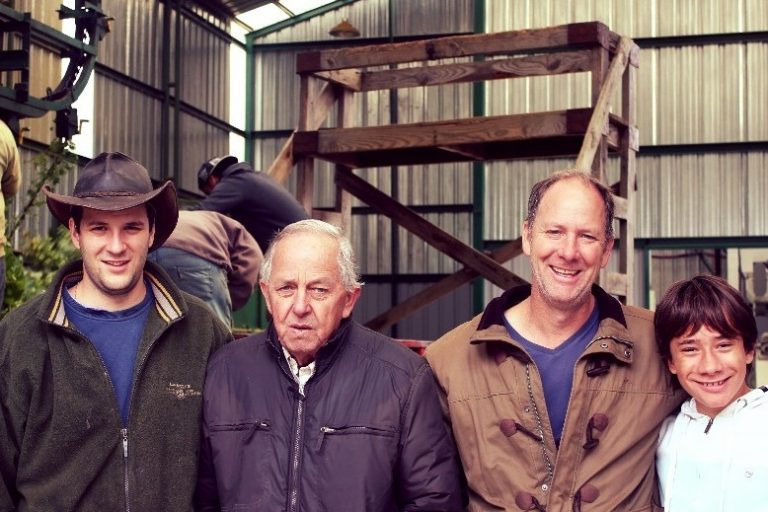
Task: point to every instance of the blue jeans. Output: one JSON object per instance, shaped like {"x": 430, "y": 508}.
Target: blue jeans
{"x": 198, "y": 277}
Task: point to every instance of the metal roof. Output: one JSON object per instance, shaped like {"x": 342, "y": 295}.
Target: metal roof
{"x": 258, "y": 14}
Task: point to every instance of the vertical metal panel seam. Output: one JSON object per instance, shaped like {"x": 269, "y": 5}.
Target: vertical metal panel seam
{"x": 250, "y": 82}
{"x": 478, "y": 173}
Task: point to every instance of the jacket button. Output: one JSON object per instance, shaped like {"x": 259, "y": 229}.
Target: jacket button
{"x": 588, "y": 493}
{"x": 525, "y": 501}
{"x": 500, "y": 357}
{"x": 508, "y": 427}
{"x": 604, "y": 344}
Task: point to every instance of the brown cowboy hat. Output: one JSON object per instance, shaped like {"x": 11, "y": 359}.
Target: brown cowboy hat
{"x": 113, "y": 182}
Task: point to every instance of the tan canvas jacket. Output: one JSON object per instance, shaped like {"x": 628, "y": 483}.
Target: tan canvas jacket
{"x": 493, "y": 394}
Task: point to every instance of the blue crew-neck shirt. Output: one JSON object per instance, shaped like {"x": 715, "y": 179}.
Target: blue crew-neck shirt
{"x": 116, "y": 335}
{"x": 556, "y": 366}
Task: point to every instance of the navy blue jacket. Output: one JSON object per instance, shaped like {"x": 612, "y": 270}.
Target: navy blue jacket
{"x": 255, "y": 200}
{"x": 368, "y": 436}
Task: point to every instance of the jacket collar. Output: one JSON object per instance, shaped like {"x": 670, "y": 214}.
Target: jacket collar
{"x": 608, "y": 306}
{"x": 326, "y": 354}
{"x": 754, "y": 398}
{"x": 612, "y": 332}
{"x": 168, "y": 301}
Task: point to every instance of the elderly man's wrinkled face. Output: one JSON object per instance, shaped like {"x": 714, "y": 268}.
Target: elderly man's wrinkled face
{"x": 305, "y": 294}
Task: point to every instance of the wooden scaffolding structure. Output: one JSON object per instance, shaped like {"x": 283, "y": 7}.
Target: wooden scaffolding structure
{"x": 587, "y": 133}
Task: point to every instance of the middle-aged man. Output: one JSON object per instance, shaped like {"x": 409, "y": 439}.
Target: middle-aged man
{"x": 556, "y": 392}
{"x": 318, "y": 413}
{"x": 101, "y": 376}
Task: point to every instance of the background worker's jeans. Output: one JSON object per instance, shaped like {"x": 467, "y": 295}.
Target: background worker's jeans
{"x": 198, "y": 277}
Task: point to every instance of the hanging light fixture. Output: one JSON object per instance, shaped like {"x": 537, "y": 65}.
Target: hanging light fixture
{"x": 344, "y": 29}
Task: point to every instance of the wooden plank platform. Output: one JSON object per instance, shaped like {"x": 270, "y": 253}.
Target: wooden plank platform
{"x": 537, "y": 135}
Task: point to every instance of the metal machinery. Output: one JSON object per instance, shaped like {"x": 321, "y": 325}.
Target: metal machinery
{"x": 757, "y": 295}
{"x": 20, "y": 35}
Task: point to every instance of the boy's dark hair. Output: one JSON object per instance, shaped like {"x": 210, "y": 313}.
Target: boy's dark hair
{"x": 76, "y": 212}
{"x": 704, "y": 300}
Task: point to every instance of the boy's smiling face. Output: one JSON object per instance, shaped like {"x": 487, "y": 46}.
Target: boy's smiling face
{"x": 711, "y": 367}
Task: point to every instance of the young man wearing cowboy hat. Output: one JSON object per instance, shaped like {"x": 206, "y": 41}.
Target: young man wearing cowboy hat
{"x": 101, "y": 376}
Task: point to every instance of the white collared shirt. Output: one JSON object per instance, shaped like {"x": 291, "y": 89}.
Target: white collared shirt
{"x": 301, "y": 374}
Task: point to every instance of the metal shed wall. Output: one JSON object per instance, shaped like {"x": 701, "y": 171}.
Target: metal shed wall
{"x": 698, "y": 91}
{"x": 443, "y": 193}
{"x": 162, "y": 88}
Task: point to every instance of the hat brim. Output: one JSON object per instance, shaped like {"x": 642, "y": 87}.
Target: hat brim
{"x": 162, "y": 199}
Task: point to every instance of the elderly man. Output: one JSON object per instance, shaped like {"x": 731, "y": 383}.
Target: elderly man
{"x": 556, "y": 392}
{"x": 319, "y": 413}
{"x": 101, "y": 376}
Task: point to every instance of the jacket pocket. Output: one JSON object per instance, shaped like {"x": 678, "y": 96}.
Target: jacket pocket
{"x": 354, "y": 430}
{"x": 238, "y": 450}
{"x": 247, "y": 427}
{"x": 363, "y": 460}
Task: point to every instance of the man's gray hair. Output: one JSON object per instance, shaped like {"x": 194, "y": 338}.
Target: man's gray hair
{"x": 538, "y": 190}
{"x": 350, "y": 278}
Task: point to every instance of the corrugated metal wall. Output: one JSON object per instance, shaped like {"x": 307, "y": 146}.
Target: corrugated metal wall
{"x": 130, "y": 86}
{"x": 381, "y": 252}
{"x": 693, "y": 93}
{"x": 138, "y": 82}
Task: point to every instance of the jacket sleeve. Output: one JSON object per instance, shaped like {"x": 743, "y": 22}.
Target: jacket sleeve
{"x": 9, "y": 440}
{"x": 245, "y": 257}
{"x": 429, "y": 473}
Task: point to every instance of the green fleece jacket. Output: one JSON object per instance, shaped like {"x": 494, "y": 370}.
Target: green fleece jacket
{"x": 62, "y": 444}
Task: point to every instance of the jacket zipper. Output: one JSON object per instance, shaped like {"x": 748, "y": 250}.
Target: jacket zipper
{"x": 123, "y": 430}
{"x": 124, "y": 435}
{"x": 296, "y": 462}
{"x": 353, "y": 429}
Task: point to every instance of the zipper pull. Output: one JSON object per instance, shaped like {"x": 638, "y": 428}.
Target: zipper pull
{"x": 323, "y": 431}
{"x": 124, "y": 435}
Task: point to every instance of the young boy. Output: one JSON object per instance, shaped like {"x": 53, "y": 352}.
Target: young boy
{"x": 711, "y": 456}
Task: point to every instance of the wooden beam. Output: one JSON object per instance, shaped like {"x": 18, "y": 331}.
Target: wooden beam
{"x": 425, "y": 230}
{"x": 350, "y": 79}
{"x": 599, "y": 120}
{"x": 615, "y": 283}
{"x": 521, "y": 41}
{"x": 447, "y": 133}
{"x": 440, "y": 288}
{"x": 315, "y": 117}
{"x": 531, "y": 65}
{"x": 620, "y": 207}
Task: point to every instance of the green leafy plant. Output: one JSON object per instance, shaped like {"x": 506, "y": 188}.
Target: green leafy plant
{"x": 30, "y": 268}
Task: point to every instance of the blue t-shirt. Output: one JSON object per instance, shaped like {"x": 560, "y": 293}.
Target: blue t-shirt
{"x": 116, "y": 335}
{"x": 556, "y": 366}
